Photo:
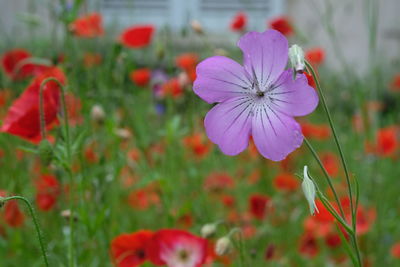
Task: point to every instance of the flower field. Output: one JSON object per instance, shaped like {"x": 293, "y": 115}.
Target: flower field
{"x": 147, "y": 147}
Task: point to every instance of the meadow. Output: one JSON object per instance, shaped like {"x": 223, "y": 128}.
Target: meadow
{"x": 106, "y": 138}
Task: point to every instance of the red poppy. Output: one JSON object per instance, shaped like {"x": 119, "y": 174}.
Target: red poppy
{"x": 395, "y": 250}
{"x": 48, "y": 190}
{"x": 323, "y": 215}
{"x": 286, "y": 182}
{"x": 258, "y": 205}
{"x": 177, "y": 248}
{"x": 22, "y": 118}
{"x": 308, "y": 245}
{"x": 333, "y": 240}
{"x": 239, "y": 22}
{"x": 315, "y": 56}
{"x": 129, "y": 250}
{"x": 13, "y": 216}
{"x": 395, "y": 84}
{"x": 74, "y": 107}
{"x": 143, "y": 199}
{"x": 319, "y": 132}
{"x": 15, "y": 65}
{"x": 137, "y": 36}
{"x": 88, "y": 26}
{"x": 387, "y": 143}
{"x": 197, "y": 145}
{"x": 282, "y": 25}
{"x": 141, "y": 77}
{"x": 331, "y": 163}
{"x": 91, "y": 59}
{"x": 172, "y": 88}
{"x": 218, "y": 181}
{"x": 310, "y": 80}
{"x": 187, "y": 61}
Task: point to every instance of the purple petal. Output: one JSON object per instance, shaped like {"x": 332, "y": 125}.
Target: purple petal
{"x": 220, "y": 78}
{"x": 228, "y": 125}
{"x": 293, "y": 97}
{"x": 265, "y": 55}
{"x": 275, "y": 134}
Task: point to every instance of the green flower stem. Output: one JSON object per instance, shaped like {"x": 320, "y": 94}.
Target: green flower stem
{"x": 71, "y": 251}
{"x": 328, "y": 178}
{"x": 349, "y": 186}
{"x": 35, "y": 221}
{"x": 240, "y": 245}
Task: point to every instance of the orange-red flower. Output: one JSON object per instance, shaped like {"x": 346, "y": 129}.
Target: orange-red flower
{"x": 141, "y": 77}
{"x": 197, "y": 144}
{"x": 218, "y": 181}
{"x": 22, "y": 118}
{"x": 310, "y": 80}
{"x": 239, "y": 22}
{"x": 13, "y": 215}
{"x": 137, "y": 36}
{"x": 129, "y": 250}
{"x": 387, "y": 141}
{"x": 144, "y": 198}
{"x": 319, "y": 132}
{"x": 88, "y": 26}
{"x": 286, "y": 182}
{"x": 282, "y": 25}
{"x": 330, "y": 162}
{"x": 308, "y": 245}
{"x": 172, "y": 88}
{"x": 395, "y": 84}
{"x": 16, "y": 66}
{"x": 315, "y": 56}
{"x": 48, "y": 190}
{"x": 395, "y": 250}
{"x": 258, "y": 205}
{"x": 91, "y": 59}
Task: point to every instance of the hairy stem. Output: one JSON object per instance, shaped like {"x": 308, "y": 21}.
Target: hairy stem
{"x": 35, "y": 221}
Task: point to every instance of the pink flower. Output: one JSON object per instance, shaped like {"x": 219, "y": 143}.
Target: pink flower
{"x": 177, "y": 248}
{"x": 258, "y": 99}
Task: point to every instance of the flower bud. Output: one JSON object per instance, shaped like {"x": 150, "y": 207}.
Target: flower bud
{"x": 208, "y": 230}
{"x": 296, "y": 56}
{"x": 45, "y": 152}
{"x": 223, "y": 246}
{"x": 308, "y": 187}
{"x": 97, "y": 114}
{"x": 196, "y": 27}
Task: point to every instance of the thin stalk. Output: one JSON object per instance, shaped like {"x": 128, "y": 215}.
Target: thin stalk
{"x": 310, "y": 68}
{"x": 35, "y": 221}
{"x": 68, "y": 168}
{"x": 342, "y": 158}
{"x": 328, "y": 178}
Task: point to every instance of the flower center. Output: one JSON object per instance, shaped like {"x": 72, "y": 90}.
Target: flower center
{"x": 183, "y": 255}
{"x": 260, "y": 94}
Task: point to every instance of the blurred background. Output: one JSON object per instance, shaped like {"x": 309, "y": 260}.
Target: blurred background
{"x": 363, "y": 27}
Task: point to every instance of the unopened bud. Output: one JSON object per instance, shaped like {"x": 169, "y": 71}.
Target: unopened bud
{"x": 208, "y": 230}
{"x": 196, "y": 27}
{"x": 67, "y": 215}
{"x": 296, "y": 56}
{"x": 124, "y": 134}
{"x": 308, "y": 187}
{"x": 46, "y": 152}
{"x": 223, "y": 246}
{"x": 97, "y": 114}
